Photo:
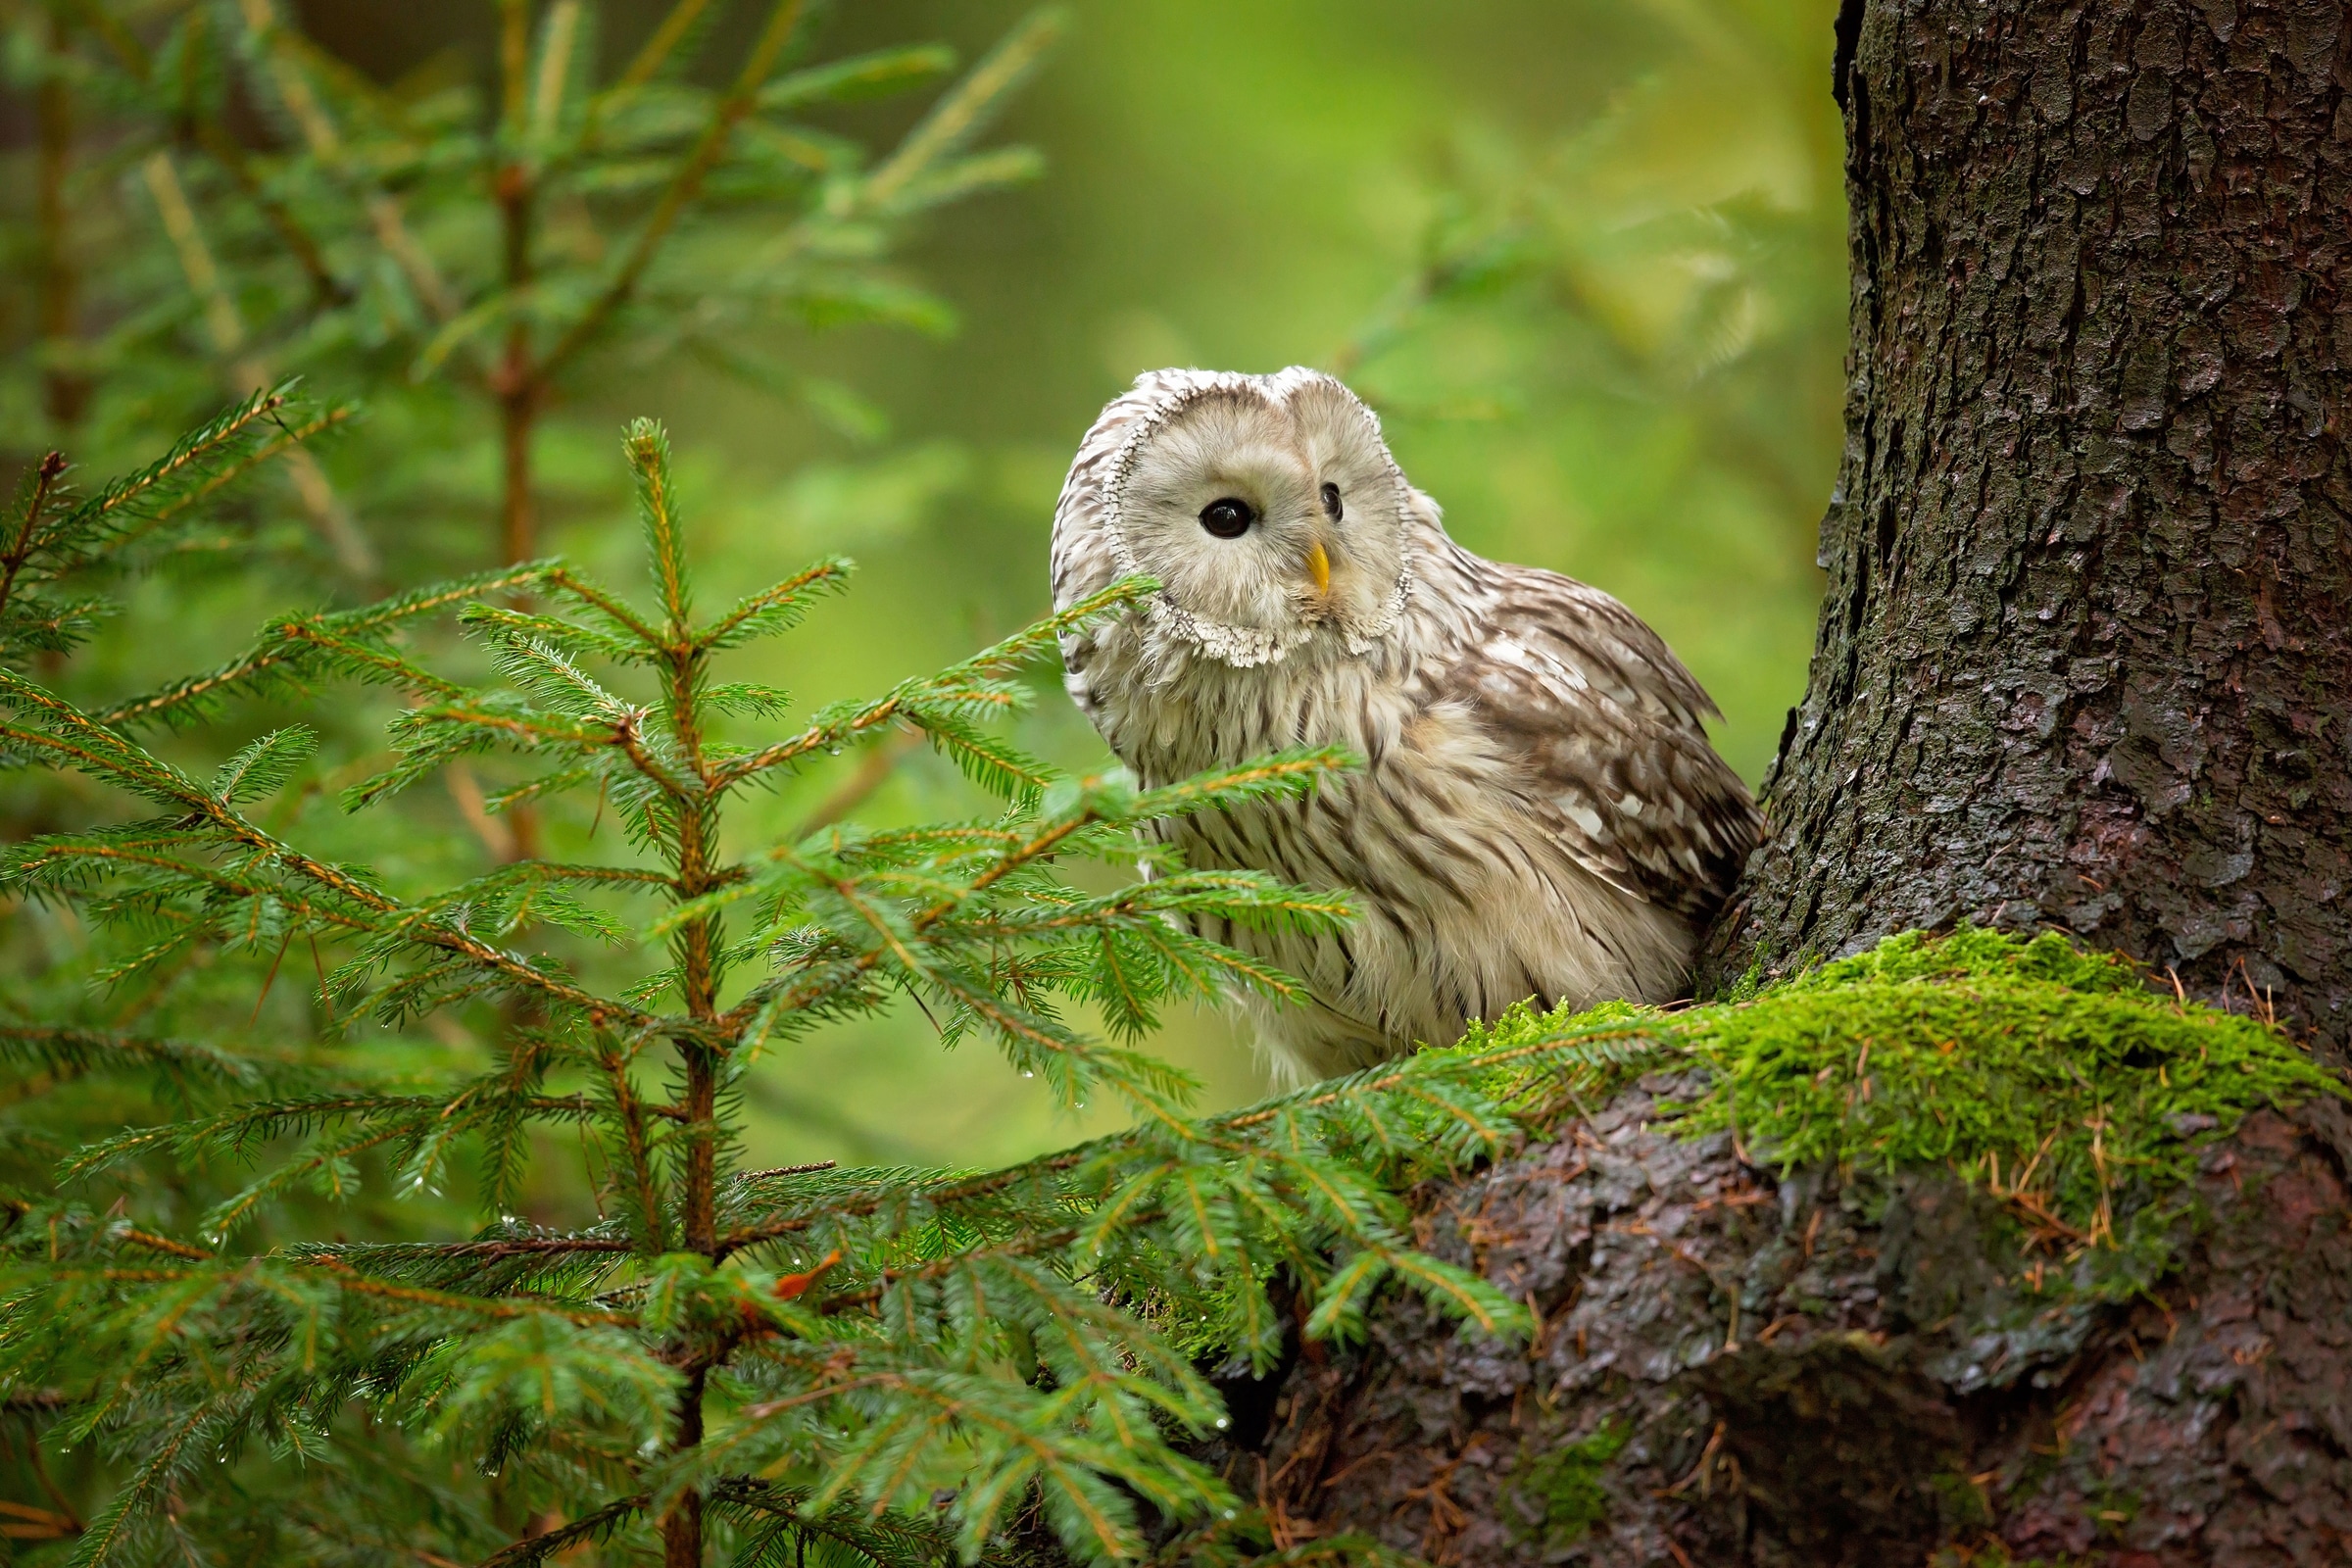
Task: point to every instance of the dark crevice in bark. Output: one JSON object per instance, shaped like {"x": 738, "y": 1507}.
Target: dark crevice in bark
{"x": 1848, "y": 29}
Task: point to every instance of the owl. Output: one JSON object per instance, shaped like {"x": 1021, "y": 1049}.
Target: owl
{"x": 1538, "y": 814}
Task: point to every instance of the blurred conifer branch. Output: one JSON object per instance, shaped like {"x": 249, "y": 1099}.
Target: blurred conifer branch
{"x": 1681, "y": 252}
{"x": 493, "y": 246}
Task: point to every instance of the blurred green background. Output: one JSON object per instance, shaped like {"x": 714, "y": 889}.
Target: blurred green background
{"x": 1586, "y": 256}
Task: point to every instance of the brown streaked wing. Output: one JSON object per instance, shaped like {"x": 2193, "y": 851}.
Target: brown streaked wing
{"x": 1609, "y": 729}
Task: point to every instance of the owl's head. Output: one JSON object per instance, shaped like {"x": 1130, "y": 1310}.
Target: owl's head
{"x": 1267, "y": 507}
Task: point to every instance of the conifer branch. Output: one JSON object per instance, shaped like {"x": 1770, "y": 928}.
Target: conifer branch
{"x": 596, "y": 1525}
{"x": 198, "y": 452}
{"x": 45, "y": 475}
{"x": 287, "y": 73}
{"x": 561, "y": 579}
{"x": 75, "y": 1049}
{"x": 767, "y": 607}
{"x": 163, "y": 1349}
{"x": 283, "y": 651}
{"x": 222, "y": 148}
{"x": 884, "y": 1329}
{"x": 663, "y": 42}
{"x": 288, "y": 438}
{"x": 962, "y": 113}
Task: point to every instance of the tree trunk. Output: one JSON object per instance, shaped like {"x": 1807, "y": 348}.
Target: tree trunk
{"x": 2085, "y": 659}
{"x": 1738, "y": 1371}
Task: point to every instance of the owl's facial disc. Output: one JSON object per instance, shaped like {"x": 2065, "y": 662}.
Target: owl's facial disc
{"x": 1275, "y": 514}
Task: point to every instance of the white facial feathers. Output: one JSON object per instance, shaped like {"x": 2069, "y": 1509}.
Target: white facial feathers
{"x": 1267, "y": 507}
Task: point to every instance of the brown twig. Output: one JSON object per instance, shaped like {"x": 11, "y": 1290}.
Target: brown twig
{"x": 65, "y": 393}
{"x": 875, "y": 769}
{"x": 467, "y": 794}
{"x": 44, "y": 480}
{"x": 809, "y": 1169}
{"x": 658, "y": 48}
{"x": 251, "y": 372}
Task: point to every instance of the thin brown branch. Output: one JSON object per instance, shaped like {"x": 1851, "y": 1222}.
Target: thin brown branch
{"x": 275, "y": 653}
{"x": 407, "y": 921}
{"x": 663, "y": 44}
{"x": 467, "y": 794}
{"x": 635, "y": 1143}
{"x": 266, "y": 408}
{"x": 399, "y": 669}
{"x": 533, "y": 1246}
{"x": 808, "y": 1169}
{"x": 222, "y": 148}
{"x": 65, "y": 392}
{"x": 250, "y": 371}
{"x": 19, "y": 550}
{"x": 326, "y": 143}
{"x": 814, "y": 739}
{"x": 714, "y": 633}
{"x": 1013, "y": 860}
{"x": 625, "y": 736}
{"x": 299, "y": 908}
{"x": 350, "y": 1279}
{"x": 956, "y": 115}
{"x": 697, "y": 942}
{"x": 560, "y": 580}
{"x": 876, "y": 768}
{"x": 415, "y": 264}
{"x": 221, "y": 318}
{"x": 165, "y": 1244}
{"x": 288, "y": 437}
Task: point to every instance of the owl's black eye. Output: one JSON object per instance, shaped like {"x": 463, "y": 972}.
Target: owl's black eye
{"x": 1330, "y": 501}
{"x": 1228, "y": 518}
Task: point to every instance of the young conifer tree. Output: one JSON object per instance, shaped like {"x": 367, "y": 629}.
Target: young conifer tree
{"x": 215, "y": 200}
{"x": 240, "y": 1323}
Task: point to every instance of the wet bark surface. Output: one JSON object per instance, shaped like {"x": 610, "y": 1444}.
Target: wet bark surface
{"x": 1734, "y": 1369}
{"x": 2085, "y": 657}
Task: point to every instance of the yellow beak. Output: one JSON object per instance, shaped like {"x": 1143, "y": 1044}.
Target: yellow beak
{"x": 1319, "y": 564}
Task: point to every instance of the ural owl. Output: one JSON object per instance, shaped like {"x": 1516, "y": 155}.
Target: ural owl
{"x": 1538, "y": 814}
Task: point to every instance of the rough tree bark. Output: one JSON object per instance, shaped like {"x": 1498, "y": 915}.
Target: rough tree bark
{"x": 1738, "y": 1371}
{"x": 2085, "y": 660}
{"x": 2087, "y": 654}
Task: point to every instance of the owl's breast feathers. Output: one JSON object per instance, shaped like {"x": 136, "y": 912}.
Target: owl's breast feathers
{"x": 1605, "y": 731}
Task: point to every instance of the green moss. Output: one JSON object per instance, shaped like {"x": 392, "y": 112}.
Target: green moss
{"x": 1563, "y": 1486}
{"x": 1993, "y": 1554}
{"x": 1960, "y": 1499}
{"x": 2055, "y": 1079}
